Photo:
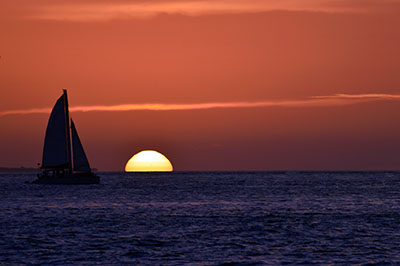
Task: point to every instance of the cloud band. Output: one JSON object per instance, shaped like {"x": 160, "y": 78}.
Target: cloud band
{"x": 315, "y": 101}
{"x": 85, "y": 10}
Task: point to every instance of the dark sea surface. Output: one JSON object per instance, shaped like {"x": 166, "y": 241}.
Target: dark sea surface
{"x": 204, "y": 218}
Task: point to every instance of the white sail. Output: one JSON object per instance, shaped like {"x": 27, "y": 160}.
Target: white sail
{"x": 81, "y": 163}
{"x": 55, "y": 150}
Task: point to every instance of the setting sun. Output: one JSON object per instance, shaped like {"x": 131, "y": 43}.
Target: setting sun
{"x": 148, "y": 161}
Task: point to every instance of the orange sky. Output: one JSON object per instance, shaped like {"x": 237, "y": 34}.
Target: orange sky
{"x": 236, "y": 80}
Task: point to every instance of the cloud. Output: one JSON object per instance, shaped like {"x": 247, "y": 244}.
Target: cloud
{"x": 315, "y": 101}
{"x": 89, "y": 10}
{"x": 371, "y": 96}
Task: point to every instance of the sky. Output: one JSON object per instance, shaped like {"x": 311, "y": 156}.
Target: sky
{"x": 213, "y": 85}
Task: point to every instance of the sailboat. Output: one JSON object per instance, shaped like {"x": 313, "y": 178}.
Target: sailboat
{"x": 57, "y": 164}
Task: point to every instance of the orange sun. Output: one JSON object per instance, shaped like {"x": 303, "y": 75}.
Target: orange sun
{"x": 148, "y": 161}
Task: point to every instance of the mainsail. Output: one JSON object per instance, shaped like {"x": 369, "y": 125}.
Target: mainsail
{"x": 81, "y": 163}
{"x": 56, "y": 151}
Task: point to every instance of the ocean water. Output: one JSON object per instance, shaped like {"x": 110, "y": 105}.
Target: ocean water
{"x": 204, "y": 218}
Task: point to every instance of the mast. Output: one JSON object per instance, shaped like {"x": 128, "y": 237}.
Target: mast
{"x": 68, "y": 133}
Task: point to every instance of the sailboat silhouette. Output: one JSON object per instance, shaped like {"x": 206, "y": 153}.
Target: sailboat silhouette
{"x": 57, "y": 164}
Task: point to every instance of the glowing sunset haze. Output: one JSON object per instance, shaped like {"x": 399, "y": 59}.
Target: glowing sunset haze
{"x": 212, "y": 85}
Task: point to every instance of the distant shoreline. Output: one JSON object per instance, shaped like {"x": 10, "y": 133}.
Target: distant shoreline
{"x": 18, "y": 169}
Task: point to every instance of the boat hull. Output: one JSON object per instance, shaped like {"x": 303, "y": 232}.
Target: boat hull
{"x": 68, "y": 180}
